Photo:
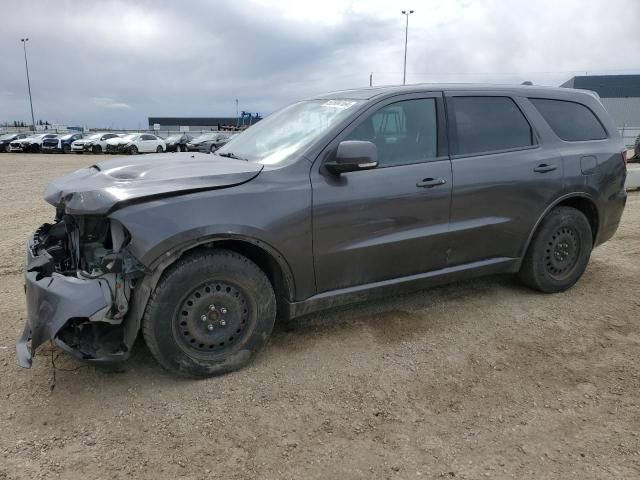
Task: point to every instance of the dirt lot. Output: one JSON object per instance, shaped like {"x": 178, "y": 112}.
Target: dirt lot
{"x": 480, "y": 379}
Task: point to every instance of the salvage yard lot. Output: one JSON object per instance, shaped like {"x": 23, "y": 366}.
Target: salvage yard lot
{"x": 478, "y": 379}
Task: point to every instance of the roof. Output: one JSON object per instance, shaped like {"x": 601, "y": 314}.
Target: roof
{"x": 607, "y": 86}
{"x": 367, "y": 93}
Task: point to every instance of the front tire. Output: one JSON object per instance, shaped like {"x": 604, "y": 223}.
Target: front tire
{"x": 209, "y": 314}
{"x": 133, "y": 150}
{"x": 159, "y": 149}
{"x": 66, "y": 149}
{"x": 97, "y": 149}
{"x": 559, "y": 252}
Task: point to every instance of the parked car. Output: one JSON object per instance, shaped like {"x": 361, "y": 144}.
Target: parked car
{"x": 32, "y": 143}
{"x": 61, "y": 143}
{"x": 337, "y": 199}
{"x": 208, "y": 142}
{"x": 144, "y": 143}
{"x": 7, "y": 138}
{"x": 117, "y": 144}
{"x": 94, "y": 143}
{"x": 178, "y": 142}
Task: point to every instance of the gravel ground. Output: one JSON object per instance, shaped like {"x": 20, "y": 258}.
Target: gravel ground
{"x": 477, "y": 379}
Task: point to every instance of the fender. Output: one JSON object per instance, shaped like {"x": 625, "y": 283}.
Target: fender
{"x": 146, "y": 286}
{"x": 553, "y": 204}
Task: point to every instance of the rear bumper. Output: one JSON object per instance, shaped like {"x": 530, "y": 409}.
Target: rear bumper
{"x": 53, "y": 300}
{"x": 611, "y": 218}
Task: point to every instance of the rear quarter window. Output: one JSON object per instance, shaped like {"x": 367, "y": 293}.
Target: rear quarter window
{"x": 570, "y": 121}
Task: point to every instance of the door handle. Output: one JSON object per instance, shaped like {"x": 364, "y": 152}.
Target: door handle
{"x": 431, "y": 182}
{"x": 544, "y": 168}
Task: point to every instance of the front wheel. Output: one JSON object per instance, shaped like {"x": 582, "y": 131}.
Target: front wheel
{"x": 97, "y": 149}
{"x": 66, "y": 149}
{"x": 159, "y": 149}
{"x": 133, "y": 150}
{"x": 7, "y": 149}
{"x": 559, "y": 252}
{"x": 209, "y": 314}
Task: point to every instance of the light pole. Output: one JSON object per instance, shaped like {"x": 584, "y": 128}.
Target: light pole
{"x": 406, "y": 35}
{"x": 26, "y": 66}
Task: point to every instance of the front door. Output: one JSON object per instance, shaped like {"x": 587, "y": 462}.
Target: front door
{"x": 391, "y": 221}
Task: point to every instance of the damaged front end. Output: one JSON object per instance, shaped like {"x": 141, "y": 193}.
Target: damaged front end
{"x": 78, "y": 282}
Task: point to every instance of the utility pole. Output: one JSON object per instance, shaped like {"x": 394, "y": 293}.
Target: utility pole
{"x": 371, "y": 79}
{"x": 26, "y": 65}
{"x": 406, "y": 36}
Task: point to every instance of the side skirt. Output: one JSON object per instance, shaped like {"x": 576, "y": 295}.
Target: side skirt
{"x": 359, "y": 293}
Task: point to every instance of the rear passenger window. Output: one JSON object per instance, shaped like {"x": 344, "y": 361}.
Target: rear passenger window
{"x": 572, "y": 122}
{"x": 487, "y": 124}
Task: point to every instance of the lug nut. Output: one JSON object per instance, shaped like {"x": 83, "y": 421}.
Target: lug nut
{"x": 223, "y": 322}
{"x": 212, "y": 307}
{"x": 223, "y": 310}
{"x": 209, "y": 327}
{"x": 203, "y": 318}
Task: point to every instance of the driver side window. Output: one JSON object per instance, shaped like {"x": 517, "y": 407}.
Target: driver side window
{"x": 404, "y": 132}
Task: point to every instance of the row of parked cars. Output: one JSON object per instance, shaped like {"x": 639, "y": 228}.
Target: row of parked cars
{"x": 108, "y": 142}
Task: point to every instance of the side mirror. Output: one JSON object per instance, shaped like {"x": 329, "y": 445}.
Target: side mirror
{"x": 353, "y": 155}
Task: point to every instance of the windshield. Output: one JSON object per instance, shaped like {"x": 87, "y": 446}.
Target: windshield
{"x": 128, "y": 138}
{"x": 287, "y": 131}
{"x": 205, "y": 136}
{"x": 94, "y": 136}
{"x": 173, "y": 138}
{"x": 7, "y": 136}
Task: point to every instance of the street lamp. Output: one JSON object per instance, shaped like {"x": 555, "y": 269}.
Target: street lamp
{"x": 406, "y": 34}
{"x": 26, "y": 66}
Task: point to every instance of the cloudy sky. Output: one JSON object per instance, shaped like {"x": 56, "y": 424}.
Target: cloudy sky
{"x": 113, "y": 63}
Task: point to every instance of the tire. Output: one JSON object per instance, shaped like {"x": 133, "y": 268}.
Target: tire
{"x": 97, "y": 149}
{"x": 213, "y": 149}
{"x": 7, "y": 148}
{"x": 159, "y": 149}
{"x": 209, "y": 314}
{"x": 66, "y": 149}
{"x": 35, "y": 148}
{"x": 559, "y": 251}
{"x": 133, "y": 150}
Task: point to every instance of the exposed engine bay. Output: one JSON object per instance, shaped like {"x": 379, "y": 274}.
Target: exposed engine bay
{"x": 81, "y": 252}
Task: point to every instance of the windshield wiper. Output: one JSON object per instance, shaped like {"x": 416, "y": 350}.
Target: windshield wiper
{"x": 231, "y": 155}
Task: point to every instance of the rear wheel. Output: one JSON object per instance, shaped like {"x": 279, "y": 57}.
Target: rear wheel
{"x": 209, "y": 314}
{"x": 559, "y": 252}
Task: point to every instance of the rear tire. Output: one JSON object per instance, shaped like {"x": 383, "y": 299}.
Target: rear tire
{"x": 209, "y": 314}
{"x": 559, "y": 251}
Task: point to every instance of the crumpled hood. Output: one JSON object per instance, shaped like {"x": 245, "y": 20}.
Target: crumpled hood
{"x": 97, "y": 189}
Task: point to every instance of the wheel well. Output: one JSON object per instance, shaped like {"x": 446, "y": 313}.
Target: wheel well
{"x": 265, "y": 261}
{"x": 588, "y": 208}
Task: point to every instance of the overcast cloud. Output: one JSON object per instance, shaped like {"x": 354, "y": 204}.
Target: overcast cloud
{"x": 113, "y": 63}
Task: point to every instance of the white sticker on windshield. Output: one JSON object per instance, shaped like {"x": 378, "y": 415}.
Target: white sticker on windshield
{"x": 338, "y": 103}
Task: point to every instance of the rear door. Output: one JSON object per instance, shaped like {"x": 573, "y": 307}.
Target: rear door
{"x": 391, "y": 221}
{"x": 503, "y": 176}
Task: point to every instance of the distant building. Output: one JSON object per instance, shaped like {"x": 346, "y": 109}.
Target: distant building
{"x": 620, "y": 94}
{"x": 197, "y": 124}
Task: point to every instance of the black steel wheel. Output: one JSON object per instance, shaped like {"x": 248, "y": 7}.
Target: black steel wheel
{"x": 209, "y": 314}
{"x": 212, "y": 319}
{"x": 559, "y": 251}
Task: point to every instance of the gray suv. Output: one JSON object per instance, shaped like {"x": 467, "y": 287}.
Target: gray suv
{"x": 331, "y": 200}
